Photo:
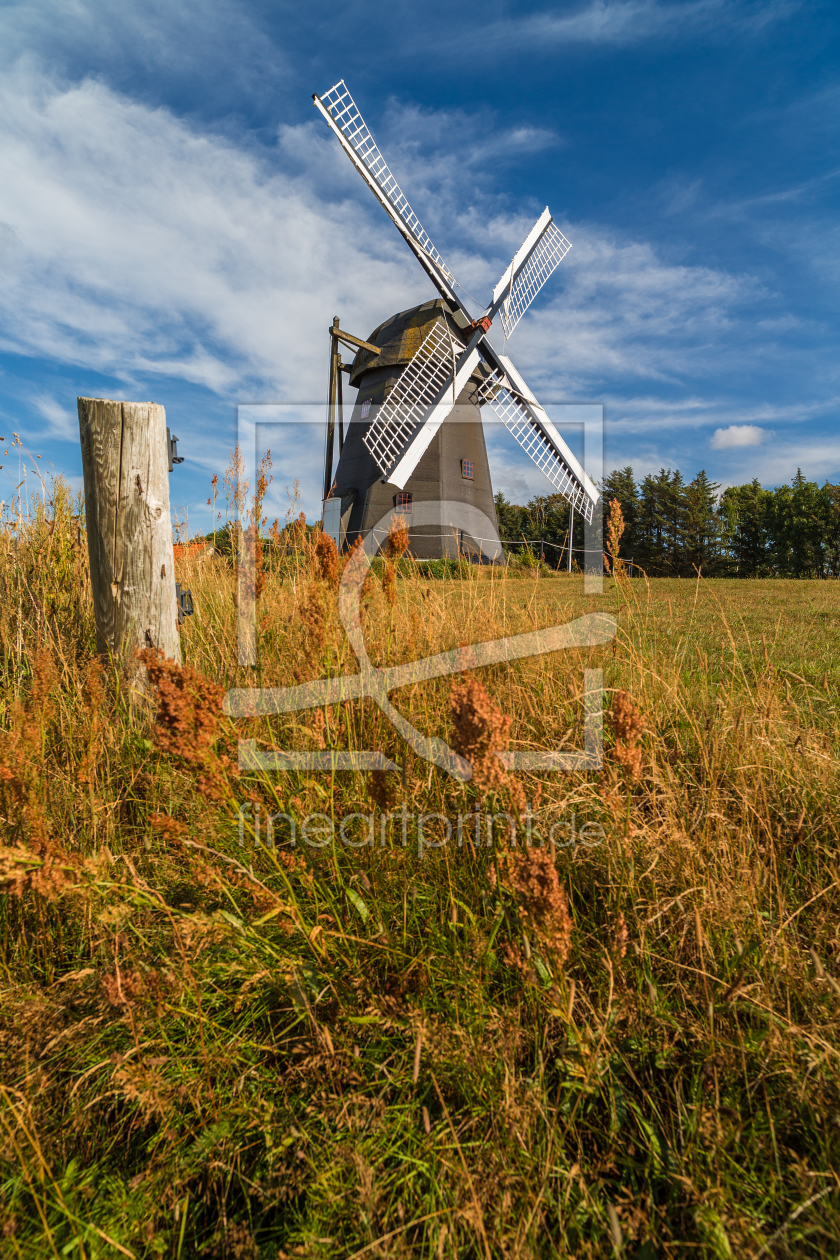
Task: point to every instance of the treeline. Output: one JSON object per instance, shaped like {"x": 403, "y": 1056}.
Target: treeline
{"x": 674, "y": 527}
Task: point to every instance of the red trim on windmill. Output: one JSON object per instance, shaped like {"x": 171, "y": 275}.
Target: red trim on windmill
{"x": 483, "y": 323}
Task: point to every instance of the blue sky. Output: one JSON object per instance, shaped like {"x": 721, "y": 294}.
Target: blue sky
{"x": 177, "y": 224}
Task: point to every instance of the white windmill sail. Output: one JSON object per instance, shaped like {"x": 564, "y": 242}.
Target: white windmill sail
{"x": 540, "y": 253}
{"x": 426, "y": 393}
{"x": 419, "y": 403}
{"x": 434, "y": 418}
{"x": 340, "y": 111}
{"x": 518, "y": 286}
{"x": 508, "y": 396}
{"x": 426, "y": 377}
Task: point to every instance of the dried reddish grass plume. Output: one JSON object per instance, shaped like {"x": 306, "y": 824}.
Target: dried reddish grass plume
{"x": 621, "y": 937}
{"x": 318, "y": 727}
{"x": 382, "y": 788}
{"x": 264, "y": 480}
{"x": 326, "y": 554}
{"x": 21, "y": 759}
{"x": 627, "y": 725}
{"x": 398, "y": 540}
{"x": 313, "y": 614}
{"x": 543, "y": 908}
{"x": 480, "y": 730}
{"x": 389, "y": 583}
{"x": 188, "y": 720}
{"x": 36, "y": 860}
{"x": 297, "y": 531}
{"x": 615, "y": 528}
{"x": 43, "y": 869}
{"x": 235, "y": 483}
{"x": 22, "y": 742}
{"x": 395, "y": 546}
{"x": 367, "y": 580}
{"x": 168, "y": 828}
{"x": 145, "y": 1087}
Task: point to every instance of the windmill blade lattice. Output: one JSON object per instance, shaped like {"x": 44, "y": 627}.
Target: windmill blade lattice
{"x": 344, "y": 113}
{"x": 426, "y": 377}
{"x": 496, "y": 393}
{"x": 550, "y": 250}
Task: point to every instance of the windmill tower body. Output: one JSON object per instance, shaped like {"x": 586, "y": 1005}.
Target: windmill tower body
{"x": 415, "y": 434}
{"x": 453, "y": 470}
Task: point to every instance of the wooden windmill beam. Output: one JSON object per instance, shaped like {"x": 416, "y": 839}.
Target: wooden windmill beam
{"x": 336, "y": 393}
{"x": 328, "y": 455}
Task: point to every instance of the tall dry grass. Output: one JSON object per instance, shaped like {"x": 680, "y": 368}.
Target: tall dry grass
{"x": 619, "y": 1041}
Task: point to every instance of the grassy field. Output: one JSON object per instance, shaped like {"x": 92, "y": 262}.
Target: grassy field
{"x": 621, "y": 1040}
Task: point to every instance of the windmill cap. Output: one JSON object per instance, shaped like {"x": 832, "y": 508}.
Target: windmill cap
{"x": 401, "y": 336}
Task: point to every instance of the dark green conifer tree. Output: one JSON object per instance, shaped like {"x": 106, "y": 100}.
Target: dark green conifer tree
{"x": 829, "y": 512}
{"x": 744, "y": 515}
{"x": 702, "y": 526}
{"x": 806, "y": 528}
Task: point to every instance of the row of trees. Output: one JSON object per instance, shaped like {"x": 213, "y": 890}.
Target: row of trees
{"x": 674, "y": 527}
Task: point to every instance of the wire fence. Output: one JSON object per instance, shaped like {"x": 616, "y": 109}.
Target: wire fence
{"x": 563, "y": 548}
{"x": 533, "y": 543}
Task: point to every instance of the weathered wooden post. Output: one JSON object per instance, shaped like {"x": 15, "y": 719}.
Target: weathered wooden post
{"x": 125, "y": 458}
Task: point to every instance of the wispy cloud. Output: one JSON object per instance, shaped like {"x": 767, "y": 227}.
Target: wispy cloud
{"x": 142, "y": 245}
{"x": 774, "y": 464}
{"x": 147, "y": 246}
{"x": 133, "y": 242}
{"x": 652, "y": 415}
{"x": 620, "y": 311}
{"x": 618, "y": 22}
{"x": 61, "y": 422}
{"x": 214, "y": 55}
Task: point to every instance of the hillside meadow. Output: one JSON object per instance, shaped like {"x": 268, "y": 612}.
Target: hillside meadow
{"x": 406, "y": 1038}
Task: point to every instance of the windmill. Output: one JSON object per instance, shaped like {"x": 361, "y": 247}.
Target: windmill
{"x": 415, "y": 436}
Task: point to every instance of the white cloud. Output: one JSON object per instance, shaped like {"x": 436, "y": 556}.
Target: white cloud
{"x": 650, "y": 433}
{"x": 737, "y": 435}
{"x": 10, "y": 246}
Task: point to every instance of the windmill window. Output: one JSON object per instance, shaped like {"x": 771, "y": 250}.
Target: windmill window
{"x": 468, "y": 469}
{"x": 365, "y": 409}
{"x": 403, "y": 502}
